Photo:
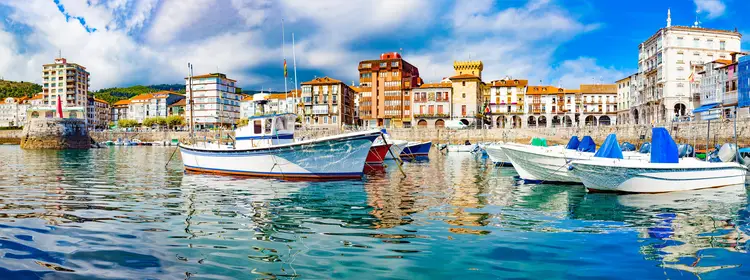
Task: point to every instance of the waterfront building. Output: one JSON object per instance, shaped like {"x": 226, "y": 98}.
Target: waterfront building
{"x": 216, "y": 101}
{"x": 541, "y": 105}
{"x": 468, "y": 91}
{"x": 506, "y": 102}
{"x": 329, "y": 102}
{"x": 386, "y": 84}
{"x": 37, "y": 100}
{"x": 599, "y": 104}
{"x": 177, "y": 108}
{"x": 120, "y": 110}
{"x": 624, "y": 87}
{"x": 431, "y": 103}
{"x": 70, "y": 81}
{"x": 13, "y": 111}
{"x": 666, "y": 61}
{"x": 247, "y": 106}
{"x": 149, "y": 105}
{"x": 102, "y": 114}
{"x": 718, "y": 87}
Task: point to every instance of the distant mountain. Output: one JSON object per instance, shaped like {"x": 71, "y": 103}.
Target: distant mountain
{"x": 18, "y": 89}
{"x": 112, "y": 95}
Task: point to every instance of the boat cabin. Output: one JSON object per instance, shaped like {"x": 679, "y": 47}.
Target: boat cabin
{"x": 265, "y": 131}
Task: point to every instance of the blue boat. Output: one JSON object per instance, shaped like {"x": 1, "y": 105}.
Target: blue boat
{"x": 416, "y": 149}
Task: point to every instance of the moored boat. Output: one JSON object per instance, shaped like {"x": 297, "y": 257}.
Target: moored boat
{"x": 462, "y": 148}
{"x": 663, "y": 172}
{"x": 416, "y": 149}
{"x": 377, "y": 154}
{"x": 266, "y": 148}
{"x": 496, "y": 154}
{"x": 397, "y": 146}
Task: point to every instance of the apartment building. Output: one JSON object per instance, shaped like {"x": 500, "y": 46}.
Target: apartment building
{"x": 666, "y": 63}
{"x": 13, "y": 111}
{"x": 216, "y": 101}
{"x": 624, "y": 87}
{"x": 328, "y": 103}
{"x": 599, "y": 104}
{"x": 70, "y": 81}
{"x": 151, "y": 105}
{"x": 468, "y": 91}
{"x": 385, "y": 86}
{"x": 506, "y": 102}
{"x": 431, "y": 103}
{"x": 101, "y": 114}
{"x": 120, "y": 110}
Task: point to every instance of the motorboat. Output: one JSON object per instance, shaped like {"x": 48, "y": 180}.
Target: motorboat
{"x": 377, "y": 154}
{"x": 416, "y": 149}
{"x": 496, "y": 154}
{"x": 266, "y": 148}
{"x": 664, "y": 171}
{"x": 535, "y": 163}
{"x": 466, "y": 148}
{"x": 397, "y": 146}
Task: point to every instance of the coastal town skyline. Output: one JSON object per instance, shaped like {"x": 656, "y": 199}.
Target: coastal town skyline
{"x": 511, "y": 38}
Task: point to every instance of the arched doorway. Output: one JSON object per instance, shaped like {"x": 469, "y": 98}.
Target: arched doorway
{"x": 590, "y": 121}
{"x": 516, "y": 121}
{"x": 440, "y": 123}
{"x": 604, "y": 120}
{"x": 49, "y": 114}
{"x": 542, "y": 122}
{"x": 680, "y": 110}
{"x": 635, "y": 116}
{"x": 73, "y": 115}
{"x": 531, "y": 122}
{"x": 422, "y": 123}
{"x": 555, "y": 121}
{"x": 34, "y": 114}
{"x": 500, "y": 123}
{"x": 568, "y": 121}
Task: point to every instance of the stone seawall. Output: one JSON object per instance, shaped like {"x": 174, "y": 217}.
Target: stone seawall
{"x": 55, "y": 134}
{"x": 11, "y": 136}
{"x": 693, "y": 132}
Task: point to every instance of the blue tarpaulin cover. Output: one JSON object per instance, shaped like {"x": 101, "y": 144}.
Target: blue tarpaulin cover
{"x": 573, "y": 143}
{"x": 587, "y": 145}
{"x": 627, "y": 147}
{"x": 610, "y": 148}
{"x": 663, "y": 149}
{"x": 743, "y": 81}
{"x": 705, "y": 107}
{"x": 645, "y": 148}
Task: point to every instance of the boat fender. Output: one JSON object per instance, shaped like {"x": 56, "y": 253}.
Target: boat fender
{"x": 570, "y": 167}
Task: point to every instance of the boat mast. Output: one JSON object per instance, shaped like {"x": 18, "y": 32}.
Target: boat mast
{"x": 190, "y": 100}
{"x": 294, "y": 61}
{"x": 283, "y": 50}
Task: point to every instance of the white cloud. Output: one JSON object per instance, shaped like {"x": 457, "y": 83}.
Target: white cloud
{"x": 585, "y": 70}
{"x": 714, "y": 8}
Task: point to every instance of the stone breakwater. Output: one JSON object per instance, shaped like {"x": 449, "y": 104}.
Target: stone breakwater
{"x": 55, "y": 134}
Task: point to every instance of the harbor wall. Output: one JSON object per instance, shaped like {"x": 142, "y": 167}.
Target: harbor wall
{"x": 693, "y": 132}
{"x": 55, "y": 134}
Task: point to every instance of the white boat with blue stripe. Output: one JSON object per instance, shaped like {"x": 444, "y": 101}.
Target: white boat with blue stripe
{"x": 663, "y": 172}
{"x": 266, "y": 148}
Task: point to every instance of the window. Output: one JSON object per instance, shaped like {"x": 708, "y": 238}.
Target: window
{"x": 257, "y": 127}
{"x": 679, "y": 41}
{"x": 383, "y": 64}
{"x": 463, "y": 110}
{"x": 268, "y": 126}
{"x": 334, "y": 119}
{"x": 394, "y": 64}
{"x": 325, "y": 120}
{"x": 696, "y": 42}
{"x": 463, "y": 95}
{"x": 463, "y": 83}
{"x": 722, "y": 45}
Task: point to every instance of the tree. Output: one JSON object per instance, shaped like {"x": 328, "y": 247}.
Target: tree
{"x": 149, "y": 122}
{"x": 160, "y": 121}
{"x": 175, "y": 120}
{"x": 243, "y": 122}
{"x": 127, "y": 123}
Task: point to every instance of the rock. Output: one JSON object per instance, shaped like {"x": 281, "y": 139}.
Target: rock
{"x": 43, "y": 133}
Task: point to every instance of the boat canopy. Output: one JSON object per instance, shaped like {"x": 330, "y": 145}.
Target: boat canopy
{"x": 705, "y": 107}
{"x": 663, "y": 149}
{"x": 541, "y": 142}
{"x": 587, "y": 145}
{"x": 610, "y": 148}
{"x": 627, "y": 147}
{"x": 573, "y": 143}
{"x": 645, "y": 148}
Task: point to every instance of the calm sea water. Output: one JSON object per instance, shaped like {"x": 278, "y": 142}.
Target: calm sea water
{"x": 120, "y": 213}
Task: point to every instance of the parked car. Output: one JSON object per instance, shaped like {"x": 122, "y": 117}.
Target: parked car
{"x": 455, "y": 124}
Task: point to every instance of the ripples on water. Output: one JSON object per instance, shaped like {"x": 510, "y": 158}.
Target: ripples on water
{"x": 119, "y": 213}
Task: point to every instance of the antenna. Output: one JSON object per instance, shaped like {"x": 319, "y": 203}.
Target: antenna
{"x": 59, "y": 53}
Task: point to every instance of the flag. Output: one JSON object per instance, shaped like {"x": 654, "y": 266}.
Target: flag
{"x": 59, "y": 107}
{"x": 691, "y": 78}
{"x": 285, "y": 71}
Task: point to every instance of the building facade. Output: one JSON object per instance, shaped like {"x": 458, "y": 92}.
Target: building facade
{"x": 69, "y": 81}
{"x": 468, "y": 91}
{"x": 506, "y": 102}
{"x": 431, "y": 104}
{"x": 385, "y": 86}
{"x": 327, "y": 103}
{"x": 102, "y": 115}
{"x": 216, "y": 101}
{"x": 150, "y": 105}
{"x": 623, "y": 99}
{"x": 13, "y": 111}
{"x": 120, "y": 110}
{"x": 599, "y": 104}
{"x": 666, "y": 63}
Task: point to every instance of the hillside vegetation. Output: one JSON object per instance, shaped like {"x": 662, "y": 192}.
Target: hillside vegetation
{"x": 18, "y": 89}
{"x": 112, "y": 95}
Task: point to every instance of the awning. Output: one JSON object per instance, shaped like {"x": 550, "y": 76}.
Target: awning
{"x": 706, "y": 107}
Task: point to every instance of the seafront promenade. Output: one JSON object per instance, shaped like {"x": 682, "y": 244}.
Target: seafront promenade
{"x": 683, "y": 132}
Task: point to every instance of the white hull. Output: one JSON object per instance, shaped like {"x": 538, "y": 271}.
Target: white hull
{"x": 337, "y": 157}
{"x": 462, "y": 148}
{"x": 496, "y": 154}
{"x": 396, "y": 148}
{"x": 639, "y": 176}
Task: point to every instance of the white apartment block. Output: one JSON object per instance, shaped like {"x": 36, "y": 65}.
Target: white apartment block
{"x": 506, "y": 102}
{"x": 665, "y": 63}
{"x": 216, "y": 101}
{"x": 431, "y": 104}
{"x": 13, "y": 111}
{"x": 150, "y": 105}
{"x": 623, "y": 98}
{"x": 69, "y": 81}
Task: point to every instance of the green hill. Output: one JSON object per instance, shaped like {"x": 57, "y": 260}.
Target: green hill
{"x": 113, "y": 95}
{"x": 18, "y": 89}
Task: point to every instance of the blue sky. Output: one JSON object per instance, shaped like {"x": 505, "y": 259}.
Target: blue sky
{"x": 128, "y": 42}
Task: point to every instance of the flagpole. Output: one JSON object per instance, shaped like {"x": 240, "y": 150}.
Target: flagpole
{"x": 294, "y": 61}
{"x": 283, "y": 50}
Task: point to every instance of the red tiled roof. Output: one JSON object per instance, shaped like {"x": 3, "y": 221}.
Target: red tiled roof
{"x": 322, "y": 81}
{"x": 464, "y": 76}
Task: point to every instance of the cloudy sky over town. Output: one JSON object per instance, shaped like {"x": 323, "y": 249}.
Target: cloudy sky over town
{"x": 128, "y": 42}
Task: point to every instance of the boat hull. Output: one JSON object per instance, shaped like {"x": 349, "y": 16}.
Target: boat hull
{"x": 414, "y": 150}
{"x": 397, "y": 146}
{"x": 377, "y": 154}
{"x": 496, "y": 154}
{"x": 546, "y": 164}
{"x": 643, "y": 177}
{"x": 462, "y": 148}
{"x": 339, "y": 157}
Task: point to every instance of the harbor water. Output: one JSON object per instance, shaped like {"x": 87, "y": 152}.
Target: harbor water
{"x": 124, "y": 213}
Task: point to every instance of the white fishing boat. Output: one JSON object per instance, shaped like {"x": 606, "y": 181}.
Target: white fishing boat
{"x": 496, "y": 154}
{"x": 462, "y": 148}
{"x": 663, "y": 172}
{"x": 266, "y": 148}
{"x": 397, "y": 146}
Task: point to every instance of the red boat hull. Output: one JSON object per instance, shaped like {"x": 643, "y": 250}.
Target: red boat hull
{"x": 377, "y": 154}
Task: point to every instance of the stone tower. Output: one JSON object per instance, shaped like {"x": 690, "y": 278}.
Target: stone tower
{"x": 469, "y": 68}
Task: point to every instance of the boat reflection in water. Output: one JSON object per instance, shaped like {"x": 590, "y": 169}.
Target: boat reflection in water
{"x": 680, "y": 230}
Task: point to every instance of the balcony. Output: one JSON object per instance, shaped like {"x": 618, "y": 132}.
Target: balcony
{"x": 431, "y": 115}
